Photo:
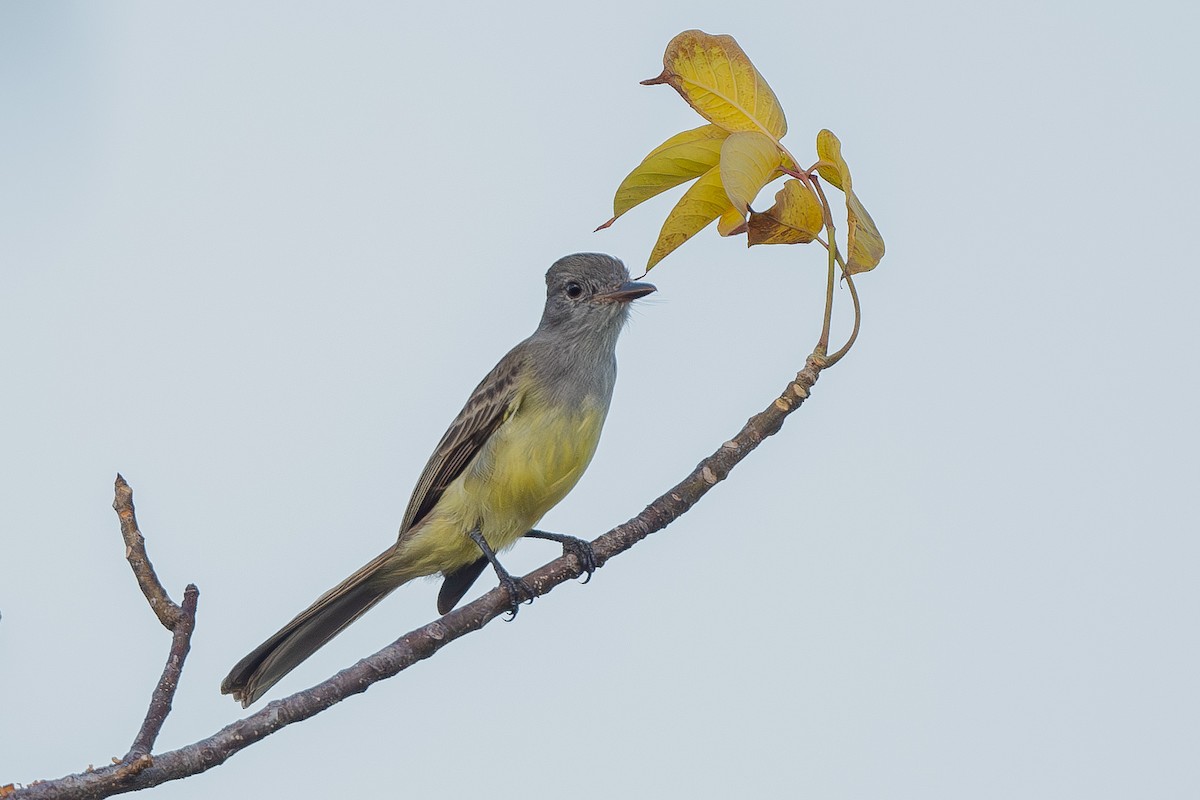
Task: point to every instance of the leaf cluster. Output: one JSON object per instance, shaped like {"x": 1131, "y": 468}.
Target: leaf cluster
{"x": 740, "y": 151}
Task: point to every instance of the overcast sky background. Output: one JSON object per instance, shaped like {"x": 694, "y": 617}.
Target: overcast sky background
{"x": 255, "y": 256}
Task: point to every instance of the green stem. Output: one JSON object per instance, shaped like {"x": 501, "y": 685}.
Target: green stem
{"x": 836, "y": 357}
{"x": 823, "y": 343}
{"x": 849, "y": 279}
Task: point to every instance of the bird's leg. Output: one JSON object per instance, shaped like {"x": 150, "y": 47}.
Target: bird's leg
{"x": 571, "y": 545}
{"x": 517, "y": 588}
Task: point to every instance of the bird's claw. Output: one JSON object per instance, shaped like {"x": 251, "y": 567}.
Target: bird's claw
{"x": 572, "y": 546}
{"x": 517, "y": 590}
{"x": 582, "y": 550}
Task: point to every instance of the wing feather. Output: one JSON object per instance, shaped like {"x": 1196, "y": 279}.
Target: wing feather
{"x": 493, "y": 400}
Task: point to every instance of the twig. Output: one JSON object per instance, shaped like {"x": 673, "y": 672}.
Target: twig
{"x": 135, "y": 553}
{"x": 425, "y": 641}
{"x": 164, "y": 692}
{"x": 181, "y": 622}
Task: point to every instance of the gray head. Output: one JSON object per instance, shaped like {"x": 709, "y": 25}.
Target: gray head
{"x": 588, "y": 295}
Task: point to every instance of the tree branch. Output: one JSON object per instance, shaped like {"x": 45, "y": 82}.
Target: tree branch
{"x": 422, "y": 642}
{"x": 135, "y": 553}
{"x": 164, "y": 692}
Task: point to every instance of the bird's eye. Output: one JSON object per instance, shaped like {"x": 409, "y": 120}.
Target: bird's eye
{"x": 574, "y": 290}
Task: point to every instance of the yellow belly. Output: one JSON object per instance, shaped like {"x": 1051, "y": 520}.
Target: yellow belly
{"x": 530, "y": 463}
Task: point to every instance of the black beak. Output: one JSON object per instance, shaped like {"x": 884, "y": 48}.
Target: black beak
{"x": 628, "y": 292}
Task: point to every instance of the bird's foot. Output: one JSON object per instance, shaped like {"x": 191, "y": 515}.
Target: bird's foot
{"x": 582, "y": 550}
{"x": 518, "y": 589}
{"x": 574, "y": 546}
{"x": 518, "y": 592}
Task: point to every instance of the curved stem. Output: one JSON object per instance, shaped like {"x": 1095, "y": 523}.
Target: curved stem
{"x": 834, "y": 259}
{"x": 849, "y": 279}
{"x": 836, "y": 357}
{"x": 827, "y": 321}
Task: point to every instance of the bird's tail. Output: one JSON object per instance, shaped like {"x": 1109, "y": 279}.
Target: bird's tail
{"x": 310, "y": 630}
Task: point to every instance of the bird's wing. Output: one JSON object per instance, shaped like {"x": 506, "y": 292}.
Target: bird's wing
{"x": 494, "y": 399}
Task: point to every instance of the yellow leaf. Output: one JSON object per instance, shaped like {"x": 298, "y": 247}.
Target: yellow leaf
{"x": 864, "y": 244}
{"x": 693, "y": 135}
{"x": 831, "y": 165}
{"x": 682, "y": 157}
{"x": 715, "y": 76}
{"x": 704, "y": 201}
{"x": 796, "y": 217}
{"x": 731, "y": 222}
{"x": 749, "y": 161}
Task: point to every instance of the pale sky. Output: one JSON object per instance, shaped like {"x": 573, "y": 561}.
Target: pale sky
{"x": 255, "y": 256}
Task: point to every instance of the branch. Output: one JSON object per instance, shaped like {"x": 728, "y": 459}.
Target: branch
{"x": 161, "y": 604}
{"x": 164, "y": 692}
{"x": 181, "y": 622}
{"x": 423, "y": 642}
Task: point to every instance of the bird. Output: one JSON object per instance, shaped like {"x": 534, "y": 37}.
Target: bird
{"x": 519, "y": 445}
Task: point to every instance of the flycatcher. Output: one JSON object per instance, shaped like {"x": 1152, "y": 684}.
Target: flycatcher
{"x": 519, "y": 445}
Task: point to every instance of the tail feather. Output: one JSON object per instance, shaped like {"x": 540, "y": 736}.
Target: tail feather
{"x": 309, "y": 631}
